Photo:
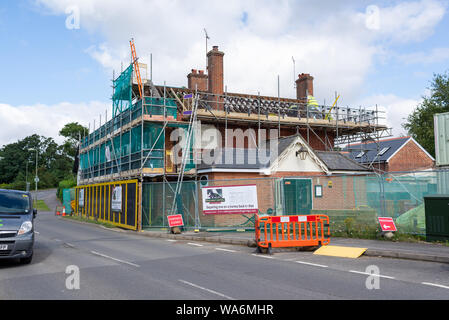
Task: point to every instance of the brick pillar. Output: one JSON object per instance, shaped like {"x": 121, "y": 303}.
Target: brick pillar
{"x": 197, "y": 79}
{"x": 304, "y": 85}
{"x": 215, "y": 75}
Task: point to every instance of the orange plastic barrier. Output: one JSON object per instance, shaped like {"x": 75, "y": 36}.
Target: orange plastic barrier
{"x": 291, "y": 231}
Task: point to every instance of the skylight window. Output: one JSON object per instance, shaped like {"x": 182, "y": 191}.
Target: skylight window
{"x": 382, "y": 152}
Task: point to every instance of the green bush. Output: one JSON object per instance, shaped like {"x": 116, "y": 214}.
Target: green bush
{"x": 65, "y": 184}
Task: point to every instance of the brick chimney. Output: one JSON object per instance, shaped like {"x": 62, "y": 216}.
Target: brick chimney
{"x": 215, "y": 71}
{"x": 304, "y": 86}
{"x": 197, "y": 78}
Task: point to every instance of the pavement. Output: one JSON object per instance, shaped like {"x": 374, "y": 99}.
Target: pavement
{"x": 421, "y": 251}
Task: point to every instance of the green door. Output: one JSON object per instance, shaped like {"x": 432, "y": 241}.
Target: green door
{"x": 297, "y": 196}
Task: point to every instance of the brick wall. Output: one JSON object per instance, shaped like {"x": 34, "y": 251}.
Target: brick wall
{"x": 339, "y": 196}
{"x": 410, "y": 157}
{"x": 265, "y": 197}
{"x": 347, "y": 192}
{"x": 315, "y": 142}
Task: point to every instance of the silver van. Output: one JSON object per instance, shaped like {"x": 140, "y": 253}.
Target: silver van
{"x": 16, "y": 225}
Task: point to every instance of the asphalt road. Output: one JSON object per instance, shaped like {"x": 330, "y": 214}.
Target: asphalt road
{"x": 119, "y": 265}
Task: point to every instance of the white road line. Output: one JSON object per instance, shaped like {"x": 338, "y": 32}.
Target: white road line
{"x": 262, "y": 256}
{"x": 69, "y": 245}
{"x": 371, "y": 274}
{"x": 227, "y": 250}
{"x": 57, "y": 240}
{"x": 171, "y": 240}
{"x": 195, "y": 244}
{"x": 312, "y": 264}
{"x": 37, "y": 232}
{"x": 435, "y": 285}
{"x": 205, "y": 289}
{"x": 115, "y": 259}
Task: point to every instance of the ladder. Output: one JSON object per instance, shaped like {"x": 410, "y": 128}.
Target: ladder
{"x": 136, "y": 67}
{"x": 190, "y": 133}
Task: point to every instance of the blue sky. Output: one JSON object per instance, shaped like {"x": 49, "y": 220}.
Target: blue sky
{"x": 44, "y": 62}
{"x": 50, "y": 69}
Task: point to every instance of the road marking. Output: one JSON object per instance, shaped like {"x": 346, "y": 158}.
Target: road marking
{"x": 435, "y": 285}
{"x": 115, "y": 259}
{"x": 37, "y": 232}
{"x": 195, "y": 244}
{"x": 171, "y": 240}
{"x": 312, "y": 264}
{"x": 227, "y": 250}
{"x": 57, "y": 240}
{"x": 371, "y": 274}
{"x": 205, "y": 289}
{"x": 262, "y": 256}
{"x": 69, "y": 245}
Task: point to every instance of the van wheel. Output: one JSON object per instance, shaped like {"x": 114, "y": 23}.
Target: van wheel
{"x": 26, "y": 260}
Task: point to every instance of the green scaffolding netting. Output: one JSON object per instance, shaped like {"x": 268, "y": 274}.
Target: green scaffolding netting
{"x": 122, "y": 95}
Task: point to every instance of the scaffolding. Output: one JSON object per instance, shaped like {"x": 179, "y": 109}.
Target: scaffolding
{"x": 133, "y": 143}
{"x": 331, "y": 125}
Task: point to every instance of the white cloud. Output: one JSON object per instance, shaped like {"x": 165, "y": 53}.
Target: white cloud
{"x": 329, "y": 40}
{"x": 409, "y": 21}
{"x": 397, "y": 110}
{"x": 434, "y": 55}
{"x": 18, "y": 122}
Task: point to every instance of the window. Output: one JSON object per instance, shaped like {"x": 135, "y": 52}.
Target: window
{"x": 361, "y": 154}
{"x": 382, "y": 152}
{"x": 11, "y": 202}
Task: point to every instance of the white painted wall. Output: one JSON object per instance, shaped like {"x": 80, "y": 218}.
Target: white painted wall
{"x": 293, "y": 163}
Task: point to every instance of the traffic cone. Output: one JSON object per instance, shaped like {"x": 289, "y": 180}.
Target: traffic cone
{"x": 63, "y": 211}
{"x": 57, "y": 212}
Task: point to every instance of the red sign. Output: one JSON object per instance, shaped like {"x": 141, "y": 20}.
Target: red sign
{"x": 387, "y": 224}
{"x": 175, "y": 220}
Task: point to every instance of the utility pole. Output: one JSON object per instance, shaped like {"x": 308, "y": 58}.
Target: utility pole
{"x": 36, "y": 179}
{"x": 207, "y": 37}
{"x": 294, "y": 72}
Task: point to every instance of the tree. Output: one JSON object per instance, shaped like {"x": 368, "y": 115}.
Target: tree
{"x": 53, "y": 163}
{"x": 72, "y": 131}
{"x": 420, "y": 122}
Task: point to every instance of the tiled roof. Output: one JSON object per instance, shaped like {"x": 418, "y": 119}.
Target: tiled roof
{"x": 239, "y": 158}
{"x": 334, "y": 160}
{"x": 372, "y": 151}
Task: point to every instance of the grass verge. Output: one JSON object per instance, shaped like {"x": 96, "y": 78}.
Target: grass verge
{"x": 77, "y": 218}
{"x": 41, "y": 206}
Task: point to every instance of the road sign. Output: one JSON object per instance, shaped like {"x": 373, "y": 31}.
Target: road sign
{"x": 387, "y": 224}
{"x": 36, "y": 179}
{"x": 175, "y": 220}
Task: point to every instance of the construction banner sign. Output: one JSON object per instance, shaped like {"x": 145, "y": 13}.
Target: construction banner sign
{"x": 116, "y": 200}
{"x": 81, "y": 198}
{"x": 230, "y": 199}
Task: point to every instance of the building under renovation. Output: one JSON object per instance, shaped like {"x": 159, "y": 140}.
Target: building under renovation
{"x": 135, "y": 149}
